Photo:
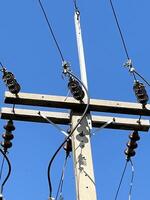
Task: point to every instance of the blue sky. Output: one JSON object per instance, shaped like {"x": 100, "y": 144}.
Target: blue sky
{"x": 28, "y": 50}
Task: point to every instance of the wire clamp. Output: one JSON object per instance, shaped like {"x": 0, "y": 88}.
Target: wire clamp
{"x": 129, "y": 65}
{"x": 66, "y": 67}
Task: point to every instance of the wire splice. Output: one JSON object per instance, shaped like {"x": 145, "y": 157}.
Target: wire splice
{"x": 10, "y": 81}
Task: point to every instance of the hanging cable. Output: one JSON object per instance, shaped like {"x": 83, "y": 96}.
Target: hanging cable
{"x": 120, "y": 183}
{"x": 119, "y": 28}
{"x": 59, "y": 191}
{"x": 132, "y": 179}
{"x": 69, "y": 73}
{"x": 51, "y": 30}
{"x": 2, "y": 166}
{"x": 9, "y": 171}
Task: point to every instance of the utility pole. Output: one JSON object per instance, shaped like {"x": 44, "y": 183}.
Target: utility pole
{"x": 81, "y": 146}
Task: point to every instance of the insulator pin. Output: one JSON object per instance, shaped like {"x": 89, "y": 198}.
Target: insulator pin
{"x": 76, "y": 89}
{"x": 140, "y": 93}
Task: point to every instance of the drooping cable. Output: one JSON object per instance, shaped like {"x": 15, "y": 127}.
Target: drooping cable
{"x": 120, "y": 183}
{"x": 59, "y": 148}
{"x": 51, "y": 30}
{"x": 9, "y": 171}
{"x": 2, "y": 166}
{"x": 119, "y": 29}
{"x": 132, "y": 179}
{"x": 60, "y": 186}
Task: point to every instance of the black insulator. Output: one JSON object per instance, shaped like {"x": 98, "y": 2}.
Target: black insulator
{"x": 8, "y": 136}
{"x": 11, "y": 82}
{"x": 9, "y": 126}
{"x": 6, "y": 144}
{"x": 134, "y": 136}
{"x": 131, "y": 145}
{"x": 68, "y": 146}
{"x": 129, "y": 153}
{"x": 76, "y": 89}
{"x": 140, "y": 92}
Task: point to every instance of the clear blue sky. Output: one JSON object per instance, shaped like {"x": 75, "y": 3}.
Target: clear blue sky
{"x": 27, "y": 49}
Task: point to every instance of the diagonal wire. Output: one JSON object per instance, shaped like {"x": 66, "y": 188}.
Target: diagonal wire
{"x": 59, "y": 191}
{"x": 51, "y": 31}
{"x": 120, "y": 183}
{"x": 119, "y": 29}
{"x": 132, "y": 179}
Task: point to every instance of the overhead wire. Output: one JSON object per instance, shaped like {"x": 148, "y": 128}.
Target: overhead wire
{"x": 124, "y": 43}
{"x": 132, "y": 179}
{"x": 119, "y": 28}
{"x": 9, "y": 171}
{"x": 51, "y": 30}
{"x": 120, "y": 183}
{"x": 59, "y": 148}
{"x": 2, "y": 166}
{"x": 60, "y": 186}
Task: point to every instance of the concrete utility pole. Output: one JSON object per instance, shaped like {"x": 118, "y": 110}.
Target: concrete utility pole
{"x": 83, "y": 164}
{"x": 81, "y": 145}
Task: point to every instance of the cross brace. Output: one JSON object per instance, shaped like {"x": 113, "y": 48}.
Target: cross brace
{"x": 64, "y": 118}
{"x": 70, "y": 103}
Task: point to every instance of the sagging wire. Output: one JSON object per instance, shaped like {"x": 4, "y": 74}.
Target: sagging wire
{"x": 52, "y": 123}
{"x": 2, "y": 166}
{"x": 68, "y": 73}
{"x": 51, "y": 30}
{"x": 9, "y": 171}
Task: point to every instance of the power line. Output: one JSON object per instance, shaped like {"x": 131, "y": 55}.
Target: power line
{"x": 2, "y": 166}
{"x": 132, "y": 178}
{"x": 51, "y": 31}
{"x": 59, "y": 191}
{"x": 119, "y": 29}
{"x": 9, "y": 171}
{"x": 120, "y": 183}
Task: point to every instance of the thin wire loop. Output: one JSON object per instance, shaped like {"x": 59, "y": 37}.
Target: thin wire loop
{"x": 120, "y": 31}
{"x": 59, "y": 148}
{"x": 51, "y": 31}
{"x": 120, "y": 183}
{"x": 9, "y": 171}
